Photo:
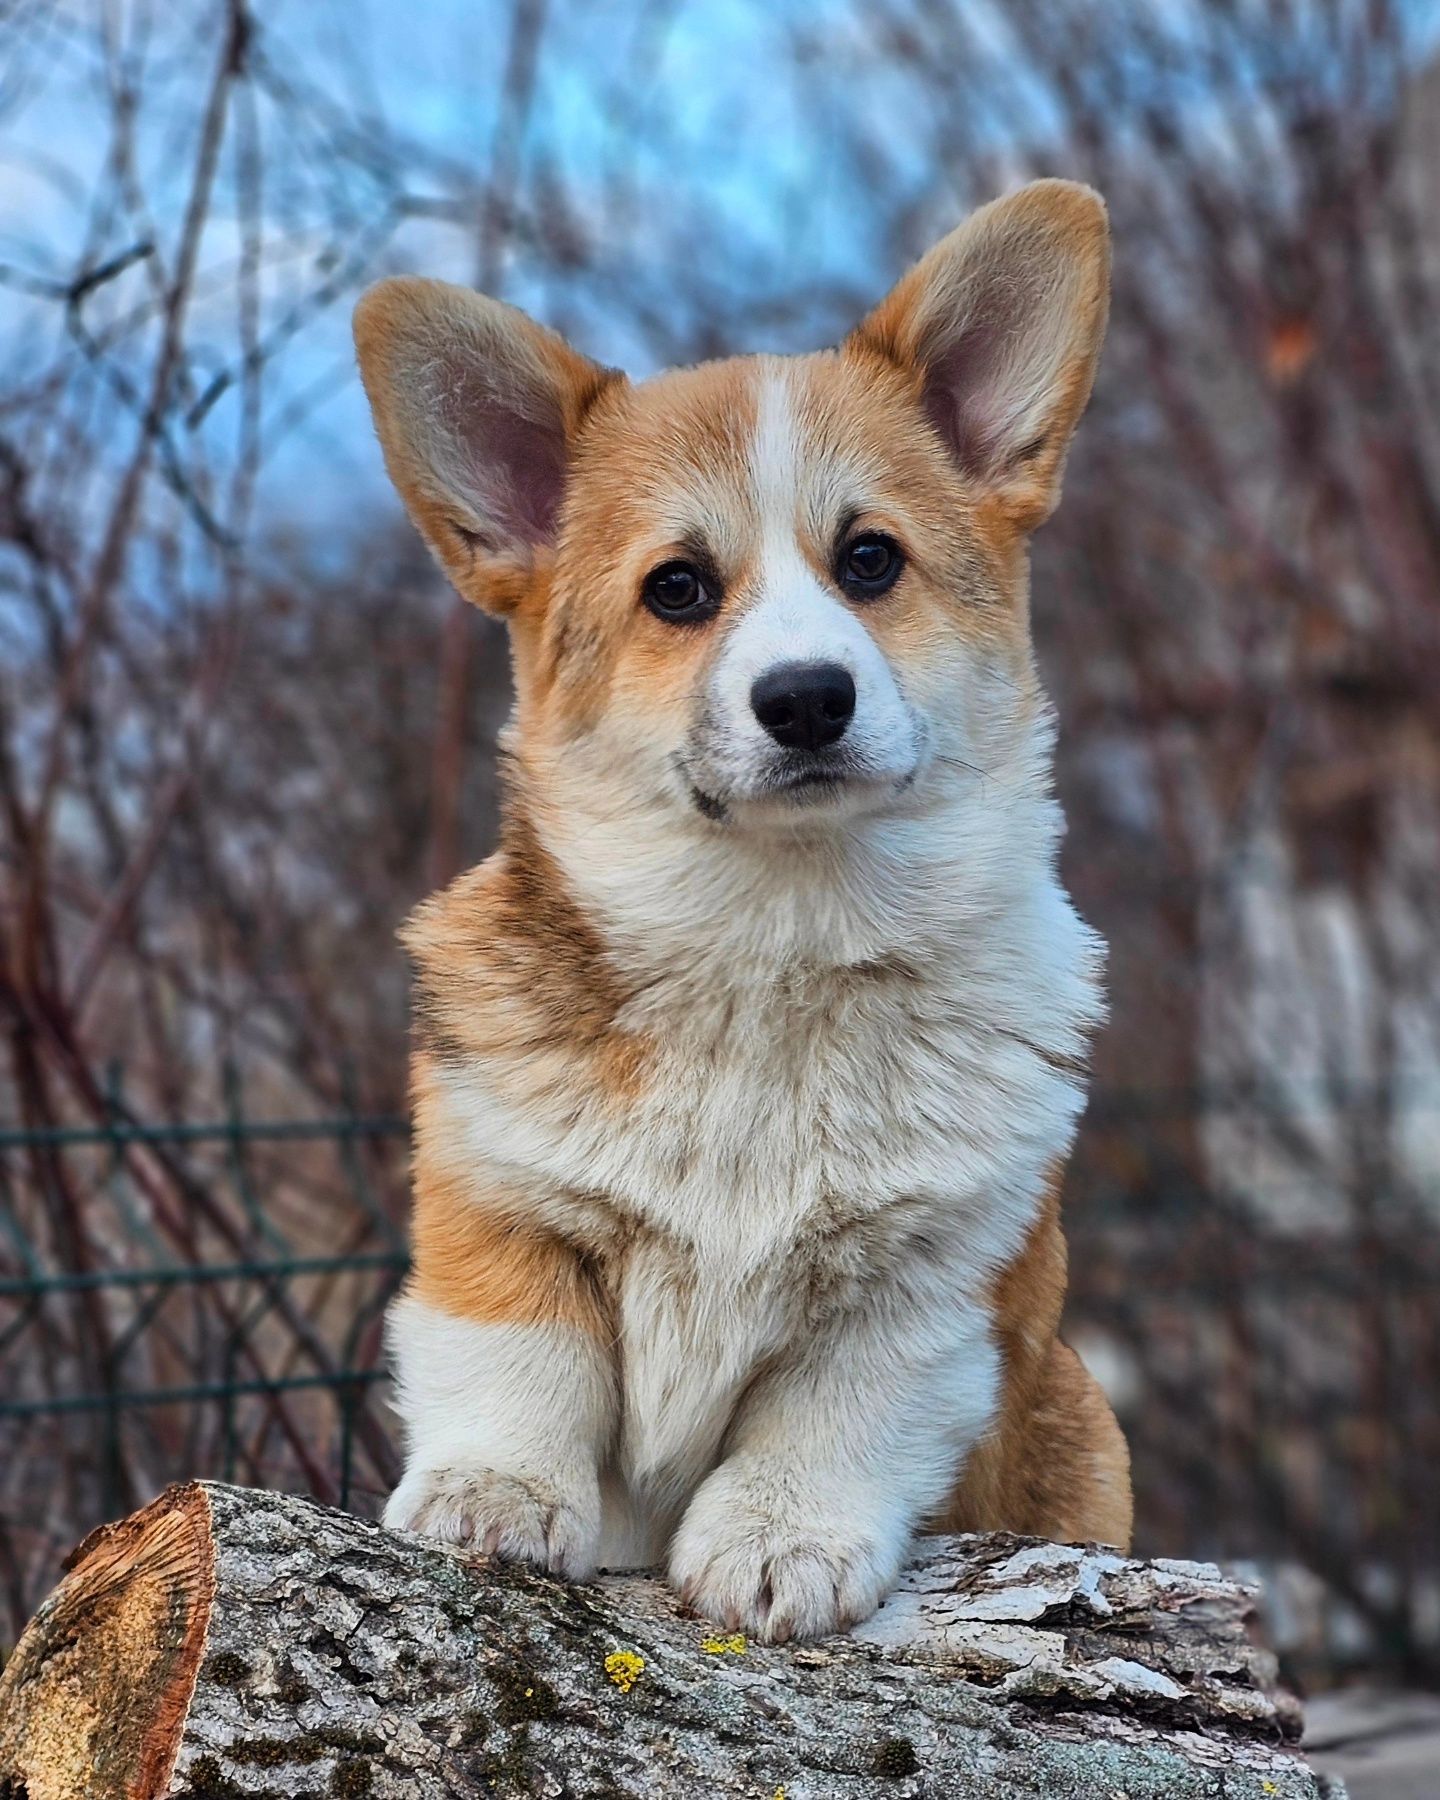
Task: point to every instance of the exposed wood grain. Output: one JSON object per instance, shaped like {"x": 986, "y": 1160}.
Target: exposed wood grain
{"x": 95, "y": 1699}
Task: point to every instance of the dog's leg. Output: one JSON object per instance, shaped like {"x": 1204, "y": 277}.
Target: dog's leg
{"x": 506, "y": 1388}
{"x": 1055, "y": 1467}
{"x": 834, "y": 1458}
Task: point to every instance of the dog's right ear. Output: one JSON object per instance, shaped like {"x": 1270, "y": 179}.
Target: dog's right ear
{"x": 477, "y": 409}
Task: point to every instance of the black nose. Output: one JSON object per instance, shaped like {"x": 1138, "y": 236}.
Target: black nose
{"x": 805, "y": 706}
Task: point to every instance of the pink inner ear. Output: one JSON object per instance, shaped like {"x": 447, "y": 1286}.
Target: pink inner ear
{"x": 513, "y": 464}
{"x": 962, "y": 394}
{"x": 527, "y": 460}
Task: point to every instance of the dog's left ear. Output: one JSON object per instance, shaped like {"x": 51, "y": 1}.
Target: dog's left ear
{"x": 1001, "y": 324}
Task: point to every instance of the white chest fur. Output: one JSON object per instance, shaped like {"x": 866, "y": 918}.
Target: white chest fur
{"x": 796, "y": 1132}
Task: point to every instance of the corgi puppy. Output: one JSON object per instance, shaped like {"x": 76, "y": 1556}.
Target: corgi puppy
{"x": 745, "y": 1070}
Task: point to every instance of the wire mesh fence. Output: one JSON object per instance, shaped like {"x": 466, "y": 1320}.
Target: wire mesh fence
{"x": 1269, "y": 1330}
{"x": 205, "y": 1298}
{"x": 189, "y": 1298}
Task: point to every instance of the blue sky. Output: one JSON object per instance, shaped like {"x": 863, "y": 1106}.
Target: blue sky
{"x": 715, "y": 154}
{"x": 727, "y": 178}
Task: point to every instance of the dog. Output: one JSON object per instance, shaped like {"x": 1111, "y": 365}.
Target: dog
{"x": 745, "y": 1070}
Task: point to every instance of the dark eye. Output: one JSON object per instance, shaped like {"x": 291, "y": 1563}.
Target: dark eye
{"x": 870, "y": 564}
{"x": 678, "y": 593}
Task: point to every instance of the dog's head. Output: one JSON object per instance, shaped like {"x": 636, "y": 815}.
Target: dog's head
{"x": 768, "y": 591}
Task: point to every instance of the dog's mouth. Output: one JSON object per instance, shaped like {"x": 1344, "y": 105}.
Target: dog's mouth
{"x": 808, "y": 787}
{"x": 810, "y": 784}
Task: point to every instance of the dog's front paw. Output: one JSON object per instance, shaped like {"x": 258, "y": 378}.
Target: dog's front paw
{"x": 523, "y": 1518}
{"x": 760, "y": 1552}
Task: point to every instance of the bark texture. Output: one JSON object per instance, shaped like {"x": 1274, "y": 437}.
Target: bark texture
{"x": 225, "y": 1643}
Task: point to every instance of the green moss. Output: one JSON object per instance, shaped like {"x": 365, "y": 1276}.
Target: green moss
{"x": 507, "y": 1771}
{"x": 305, "y": 1747}
{"x": 227, "y": 1669}
{"x": 206, "y": 1780}
{"x": 896, "y": 1756}
{"x": 274, "y": 1753}
{"x": 352, "y": 1779}
{"x": 521, "y": 1696}
{"x": 518, "y": 1700}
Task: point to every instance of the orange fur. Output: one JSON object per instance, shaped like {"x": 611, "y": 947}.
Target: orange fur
{"x": 508, "y": 967}
{"x": 477, "y": 1253}
{"x": 481, "y": 1262}
{"x": 1056, "y": 1465}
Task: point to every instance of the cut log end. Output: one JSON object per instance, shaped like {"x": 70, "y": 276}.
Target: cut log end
{"x": 225, "y": 1643}
{"x": 94, "y": 1700}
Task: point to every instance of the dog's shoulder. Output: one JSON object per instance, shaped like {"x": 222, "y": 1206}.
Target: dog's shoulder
{"x": 509, "y": 971}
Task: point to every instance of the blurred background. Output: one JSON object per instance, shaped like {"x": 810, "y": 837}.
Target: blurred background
{"x": 244, "y": 726}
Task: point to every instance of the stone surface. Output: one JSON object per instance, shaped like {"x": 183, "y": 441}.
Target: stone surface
{"x": 338, "y": 1659}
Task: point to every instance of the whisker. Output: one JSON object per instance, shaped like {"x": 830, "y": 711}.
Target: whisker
{"x": 960, "y": 763}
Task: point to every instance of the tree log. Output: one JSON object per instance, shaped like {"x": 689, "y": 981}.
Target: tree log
{"x": 224, "y": 1643}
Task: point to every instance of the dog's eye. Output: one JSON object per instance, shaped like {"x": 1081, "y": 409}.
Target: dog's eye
{"x": 678, "y": 593}
{"x": 870, "y": 564}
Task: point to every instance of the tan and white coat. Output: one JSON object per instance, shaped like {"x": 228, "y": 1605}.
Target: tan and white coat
{"x": 740, "y": 1111}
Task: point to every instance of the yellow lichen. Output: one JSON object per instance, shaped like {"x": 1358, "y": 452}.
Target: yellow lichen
{"x": 724, "y": 1646}
{"x": 623, "y": 1667}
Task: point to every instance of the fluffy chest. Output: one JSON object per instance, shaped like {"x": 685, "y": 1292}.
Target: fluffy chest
{"x": 767, "y": 1113}
{"x": 774, "y": 1112}
{"x": 786, "y": 1145}
{"x": 786, "y": 1113}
